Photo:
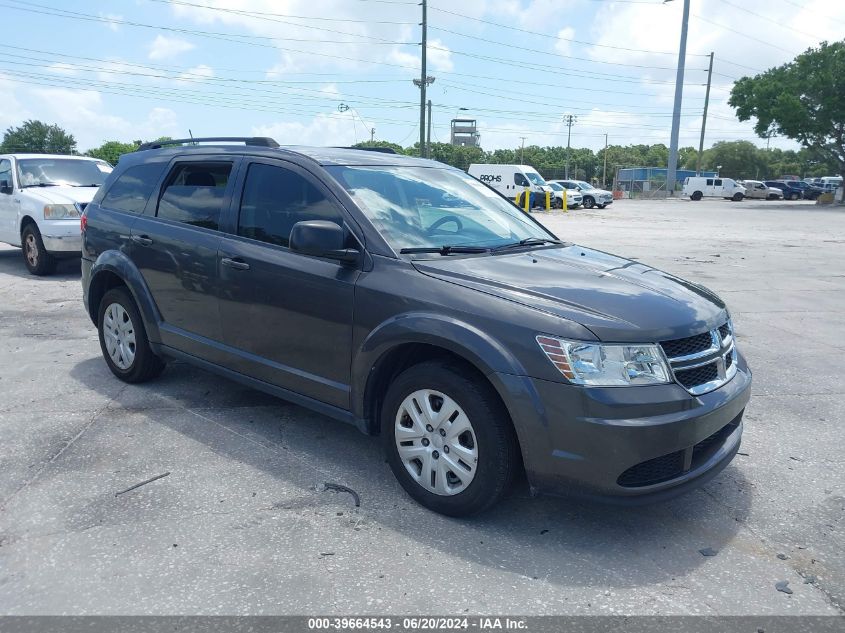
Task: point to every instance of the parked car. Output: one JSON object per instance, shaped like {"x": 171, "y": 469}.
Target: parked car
{"x": 512, "y": 180}
{"x": 808, "y": 191}
{"x": 574, "y": 199}
{"x": 592, "y": 197}
{"x": 757, "y": 189}
{"x": 698, "y": 187}
{"x": 408, "y": 299}
{"x": 41, "y": 198}
{"x": 790, "y": 191}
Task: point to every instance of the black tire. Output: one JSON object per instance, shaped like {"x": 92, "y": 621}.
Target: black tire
{"x": 794, "y": 196}
{"x": 696, "y": 195}
{"x": 557, "y": 203}
{"x": 737, "y": 197}
{"x": 601, "y": 206}
{"x": 498, "y": 454}
{"x": 145, "y": 365}
{"x": 589, "y": 202}
{"x": 38, "y": 261}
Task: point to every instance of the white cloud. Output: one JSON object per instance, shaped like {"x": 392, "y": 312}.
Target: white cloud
{"x": 439, "y": 57}
{"x": 563, "y": 45}
{"x": 342, "y": 128}
{"x": 163, "y": 47}
{"x": 113, "y": 20}
{"x": 197, "y": 73}
{"x": 61, "y": 68}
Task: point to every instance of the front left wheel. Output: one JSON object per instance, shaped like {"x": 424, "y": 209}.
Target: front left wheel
{"x": 448, "y": 438}
{"x": 38, "y": 261}
{"x": 123, "y": 338}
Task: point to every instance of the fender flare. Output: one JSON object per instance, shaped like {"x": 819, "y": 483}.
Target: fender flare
{"x": 118, "y": 263}
{"x": 476, "y": 346}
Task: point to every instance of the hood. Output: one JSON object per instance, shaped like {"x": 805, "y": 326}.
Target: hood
{"x": 616, "y": 298}
{"x": 62, "y": 194}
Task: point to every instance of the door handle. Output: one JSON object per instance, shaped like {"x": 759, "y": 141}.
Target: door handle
{"x": 235, "y": 262}
{"x": 142, "y": 240}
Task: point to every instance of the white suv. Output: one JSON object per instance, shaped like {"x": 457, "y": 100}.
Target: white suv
{"x": 592, "y": 197}
{"x": 41, "y": 199}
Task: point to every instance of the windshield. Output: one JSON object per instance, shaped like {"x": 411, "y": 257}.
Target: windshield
{"x": 417, "y": 207}
{"x": 555, "y": 186}
{"x": 534, "y": 177}
{"x": 583, "y": 185}
{"x": 43, "y": 172}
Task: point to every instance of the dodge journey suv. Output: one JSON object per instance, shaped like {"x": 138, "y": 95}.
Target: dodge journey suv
{"x": 409, "y": 299}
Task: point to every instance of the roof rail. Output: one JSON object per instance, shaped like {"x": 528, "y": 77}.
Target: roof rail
{"x": 381, "y": 150}
{"x": 258, "y": 141}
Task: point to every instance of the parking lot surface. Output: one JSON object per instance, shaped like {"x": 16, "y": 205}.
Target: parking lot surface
{"x": 242, "y": 524}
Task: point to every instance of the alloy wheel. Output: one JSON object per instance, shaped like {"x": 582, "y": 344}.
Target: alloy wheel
{"x": 119, "y": 336}
{"x": 31, "y": 250}
{"x": 436, "y": 442}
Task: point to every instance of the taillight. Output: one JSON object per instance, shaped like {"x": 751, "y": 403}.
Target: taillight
{"x": 83, "y": 222}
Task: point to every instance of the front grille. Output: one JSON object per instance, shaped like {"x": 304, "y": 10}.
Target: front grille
{"x": 701, "y": 363}
{"x": 671, "y": 465}
{"x": 653, "y": 471}
{"x": 687, "y": 346}
{"x": 690, "y": 378}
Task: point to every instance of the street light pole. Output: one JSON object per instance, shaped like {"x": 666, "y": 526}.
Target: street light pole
{"x": 704, "y": 118}
{"x": 522, "y": 151}
{"x": 423, "y": 77}
{"x": 671, "y": 172}
{"x": 428, "y": 134}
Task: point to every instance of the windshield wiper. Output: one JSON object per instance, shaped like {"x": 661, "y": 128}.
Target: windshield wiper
{"x": 445, "y": 249}
{"x": 91, "y": 185}
{"x": 528, "y": 241}
{"x": 43, "y": 184}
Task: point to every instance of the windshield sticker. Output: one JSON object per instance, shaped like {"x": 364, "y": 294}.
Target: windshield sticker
{"x": 106, "y": 169}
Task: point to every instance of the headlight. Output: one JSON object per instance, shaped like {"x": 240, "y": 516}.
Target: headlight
{"x": 60, "y": 211}
{"x": 600, "y": 365}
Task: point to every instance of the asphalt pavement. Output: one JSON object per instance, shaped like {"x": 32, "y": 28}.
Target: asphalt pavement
{"x": 242, "y": 523}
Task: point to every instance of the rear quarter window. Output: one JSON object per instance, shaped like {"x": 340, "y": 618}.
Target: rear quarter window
{"x": 130, "y": 190}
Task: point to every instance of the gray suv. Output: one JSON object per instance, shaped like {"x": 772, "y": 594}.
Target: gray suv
{"x": 409, "y": 299}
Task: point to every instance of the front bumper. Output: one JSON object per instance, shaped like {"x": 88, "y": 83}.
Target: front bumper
{"x": 61, "y": 236}
{"x": 628, "y": 444}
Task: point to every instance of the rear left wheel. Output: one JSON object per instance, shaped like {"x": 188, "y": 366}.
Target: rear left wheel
{"x": 448, "y": 439}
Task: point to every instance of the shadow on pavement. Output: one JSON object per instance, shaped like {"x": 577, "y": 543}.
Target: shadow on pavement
{"x": 559, "y": 540}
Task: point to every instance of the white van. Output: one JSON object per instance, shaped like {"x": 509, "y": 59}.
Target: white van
{"x": 511, "y": 180}
{"x": 698, "y": 187}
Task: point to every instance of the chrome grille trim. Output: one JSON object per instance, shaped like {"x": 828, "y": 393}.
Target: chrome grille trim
{"x": 721, "y": 348}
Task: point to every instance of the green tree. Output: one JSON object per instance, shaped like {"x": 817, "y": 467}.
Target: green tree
{"x": 396, "y": 148}
{"x": 735, "y": 159}
{"x": 802, "y": 100}
{"x": 37, "y": 137}
{"x": 111, "y": 151}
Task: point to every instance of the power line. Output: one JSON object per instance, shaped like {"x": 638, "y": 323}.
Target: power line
{"x": 554, "y": 37}
{"x": 790, "y": 27}
{"x": 744, "y": 34}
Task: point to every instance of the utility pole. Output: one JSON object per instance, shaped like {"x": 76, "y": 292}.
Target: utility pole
{"x": 372, "y": 134}
{"x": 522, "y": 151}
{"x": 568, "y": 121}
{"x": 423, "y": 77}
{"x": 704, "y": 119}
{"x": 671, "y": 172}
{"x": 604, "y": 173}
{"x": 428, "y": 134}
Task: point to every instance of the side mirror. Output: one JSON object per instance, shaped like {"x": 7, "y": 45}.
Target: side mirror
{"x": 321, "y": 238}
{"x": 5, "y": 187}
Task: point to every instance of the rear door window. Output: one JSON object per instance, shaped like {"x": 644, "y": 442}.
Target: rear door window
{"x": 131, "y": 189}
{"x": 709, "y": 182}
{"x": 194, "y": 193}
{"x": 718, "y": 182}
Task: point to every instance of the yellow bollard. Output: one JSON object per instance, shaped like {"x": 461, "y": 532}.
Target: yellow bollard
{"x": 548, "y": 201}
{"x": 565, "y": 201}
{"x": 527, "y": 199}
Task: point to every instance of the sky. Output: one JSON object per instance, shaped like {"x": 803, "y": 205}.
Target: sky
{"x": 326, "y": 72}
